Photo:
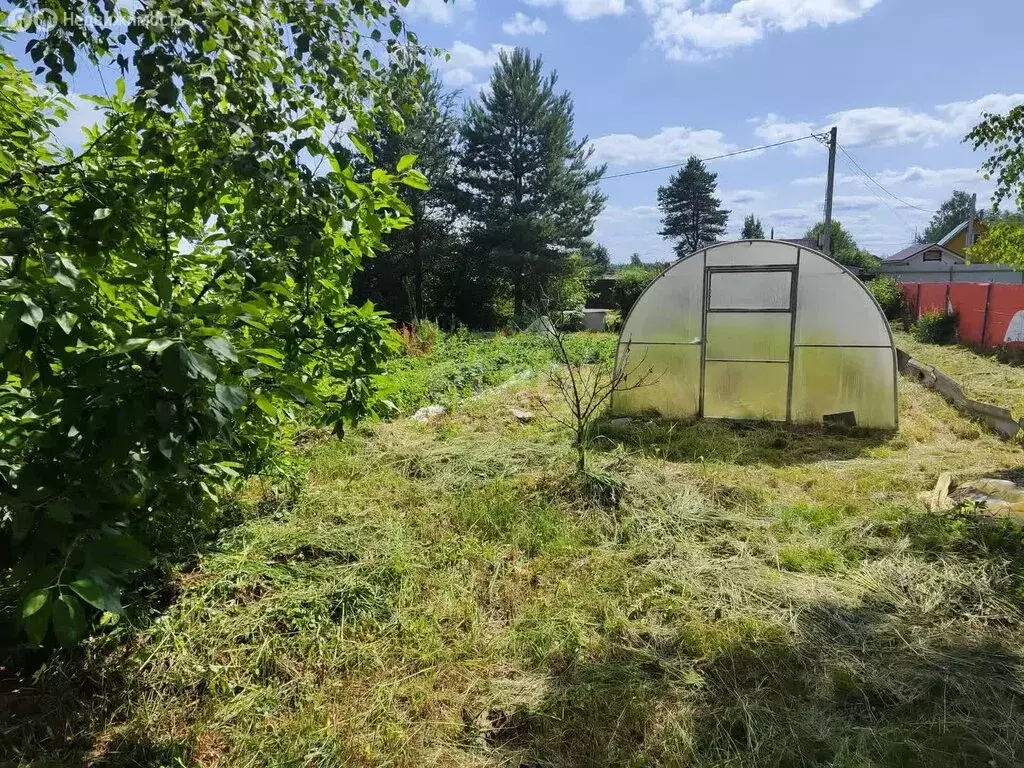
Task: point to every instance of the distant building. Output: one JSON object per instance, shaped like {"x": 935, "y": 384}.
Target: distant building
{"x": 925, "y": 253}
{"x": 964, "y": 236}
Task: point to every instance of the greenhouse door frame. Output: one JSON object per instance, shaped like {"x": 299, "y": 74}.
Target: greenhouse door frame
{"x": 790, "y": 309}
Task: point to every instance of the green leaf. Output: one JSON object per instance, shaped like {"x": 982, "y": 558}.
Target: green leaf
{"x": 35, "y": 602}
{"x": 407, "y": 162}
{"x": 32, "y": 314}
{"x": 36, "y": 625}
{"x": 264, "y": 404}
{"x": 363, "y": 148}
{"x": 60, "y": 510}
{"x": 68, "y": 620}
{"x": 230, "y": 397}
{"x": 67, "y": 321}
{"x": 396, "y": 26}
{"x": 101, "y": 213}
{"x": 221, "y": 349}
{"x": 163, "y": 287}
{"x": 90, "y": 591}
{"x": 416, "y": 180}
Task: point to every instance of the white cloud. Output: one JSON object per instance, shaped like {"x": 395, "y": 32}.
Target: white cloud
{"x": 464, "y": 60}
{"x": 690, "y": 31}
{"x": 923, "y": 177}
{"x": 521, "y": 24}
{"x": 887, "y": 126}
{"x": 583, "y": 10}
{"x": 670, "y": 145}
{"x": 438, "y": 11}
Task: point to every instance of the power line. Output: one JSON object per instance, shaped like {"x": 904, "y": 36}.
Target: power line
{"x": 870, "y": 178}
{"x": 882, "y": 200}
{"x": 714, "y": 157}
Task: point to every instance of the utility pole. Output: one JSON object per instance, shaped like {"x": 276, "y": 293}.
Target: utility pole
{"x": 830, "y": 186}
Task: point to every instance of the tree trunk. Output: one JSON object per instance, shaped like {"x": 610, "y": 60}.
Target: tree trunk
{"x": 417, "y": 262}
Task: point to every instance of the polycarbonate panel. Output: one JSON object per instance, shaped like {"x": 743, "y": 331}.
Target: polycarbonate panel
{"x": 750, "y": 290}
{"x": 833, "y": 307}
{"x": 746, "y": 390}
{"x": 673, "y": 391}
{"x": 748, "y": 335}
{"x": 751, "y": 253}
{"x": 670, "y": 309}
{"x": 837, "y": 380}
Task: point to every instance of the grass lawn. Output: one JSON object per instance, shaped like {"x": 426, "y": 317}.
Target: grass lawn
{"x": 448, "y": 594}
{"x": 982, "y": 376}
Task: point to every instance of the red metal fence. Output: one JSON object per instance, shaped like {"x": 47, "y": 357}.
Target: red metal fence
{"x": 991, "y": 314}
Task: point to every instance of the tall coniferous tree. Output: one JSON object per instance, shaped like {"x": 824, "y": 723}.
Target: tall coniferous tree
{"x": 752, "y": 229}
{"x": 691, "y": 213}
{"x": 399, "y": 279}
{"x": 533, "y": 199}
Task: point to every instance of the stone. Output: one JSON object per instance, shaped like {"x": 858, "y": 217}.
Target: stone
{"x": 429, "y": 413}
{"x": 619, "y": 423}
{"x": 524, "y": 417}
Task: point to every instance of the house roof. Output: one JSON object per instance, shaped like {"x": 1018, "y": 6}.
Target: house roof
{"x": 949, "y": 237}
{"x": 913, "y": 250}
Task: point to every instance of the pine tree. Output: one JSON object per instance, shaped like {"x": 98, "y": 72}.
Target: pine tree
{"x": 533, "y": 200}
{"x": 397, "y": 279}
{"x": 692, "y": 214}
{"x": 752, "y": 229}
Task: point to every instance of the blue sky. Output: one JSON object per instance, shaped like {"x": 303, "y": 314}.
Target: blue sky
{"x": 657, "y": 80}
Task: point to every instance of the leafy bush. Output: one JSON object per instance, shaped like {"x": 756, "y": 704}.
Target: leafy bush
{"x": 937, "y": 327}
{"x": 176, "y": 291}
{"x": 613, "y": 321}
{"x": 571, "y": 320}
{"x": 629, "y": 284}
{"x": 889, "y": 296}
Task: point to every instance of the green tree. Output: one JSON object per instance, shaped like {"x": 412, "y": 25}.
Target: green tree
{"x": 960, "y": 207}
{"x": 691, "y": 213}
{"x": 630, "y": 282}
{"x": 844, "y": 248}
{"x": 174, "y": 291}
{"x": 597, "y": 256}
{"x": 398, "y": 278}
{"x": 533, "y": 198}
{"x": 752, "y": 229}
{"x": 1003, "y": 137}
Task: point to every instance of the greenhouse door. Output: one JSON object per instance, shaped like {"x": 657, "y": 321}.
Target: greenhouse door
{"x": 748, "y": 332}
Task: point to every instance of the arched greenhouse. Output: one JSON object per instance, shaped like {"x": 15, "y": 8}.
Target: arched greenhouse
{"x": 759, "y": 329}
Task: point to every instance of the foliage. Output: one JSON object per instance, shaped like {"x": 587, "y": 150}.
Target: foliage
{"x": 844, "y": 248}
{"x": 752, "y": 229}
{"x": 889, "y": 296}
{"x": 596, "y": 256}
{"x": 456, "y": 366}
{"x": 1002, "y": 244}
{"x": 176, "y": 290}
{"x": 532, "y": 197}
{"x": 935, "y": 327}
{"x": 1003, "y": 137}
{"x": 613, "y": 321}
{"x": 630, "y": 282}
{"x": 406, "y": 279}
{"x": 691, "y": 213}
{"x": 953, "y": 212}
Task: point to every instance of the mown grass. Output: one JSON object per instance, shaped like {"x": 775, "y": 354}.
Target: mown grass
{"x": 982, "y": 376}
{"x": 447, "y": 594}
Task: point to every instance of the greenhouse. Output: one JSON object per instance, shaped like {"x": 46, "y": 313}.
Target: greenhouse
{"x": 758, "y": 329}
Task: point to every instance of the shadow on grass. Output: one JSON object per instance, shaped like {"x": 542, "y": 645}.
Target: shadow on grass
{"x": 738, "y": 442}
{"x": 58, "y": 721}
{"x": 834, "y": 686}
